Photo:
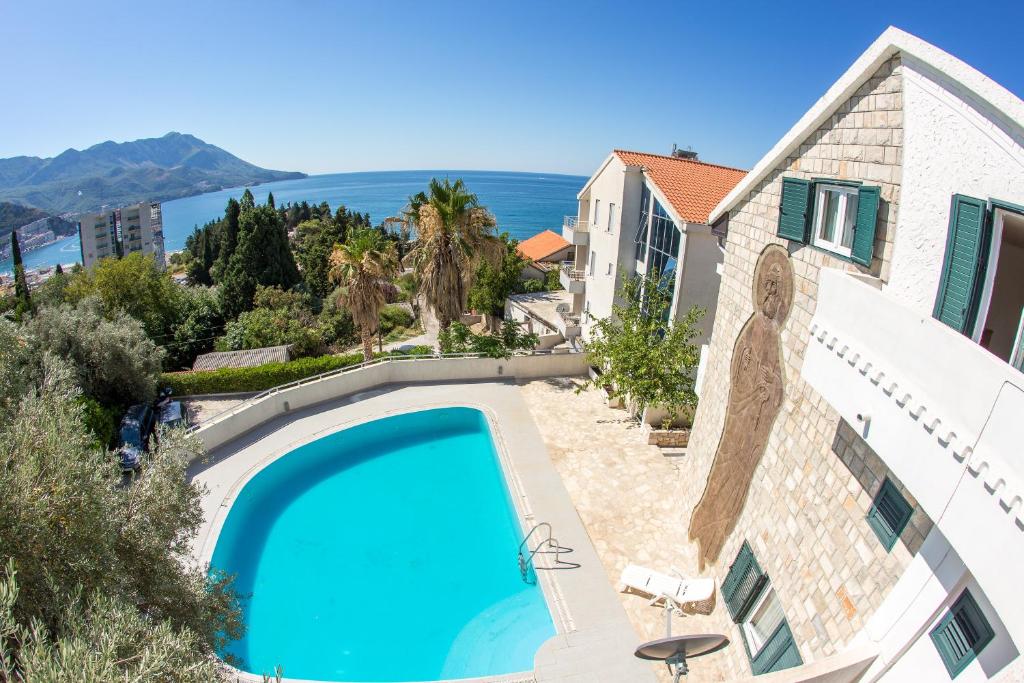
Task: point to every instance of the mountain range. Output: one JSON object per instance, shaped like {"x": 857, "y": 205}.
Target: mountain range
{"x": 115, "y": 174}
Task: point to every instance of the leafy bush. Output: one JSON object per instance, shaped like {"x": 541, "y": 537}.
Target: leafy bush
{"x": 393, "y": 317}
{"x": 103, "y": 570}
{"x": 406, "y": 284}
{"x": 458, "y": 338}
{"x": 113, "y": 359}
{"x": 101, "y": 420}
{"x": 227, "y": 380}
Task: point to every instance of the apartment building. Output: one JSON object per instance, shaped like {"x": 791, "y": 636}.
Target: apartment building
{"x": 131, "y": 229}
{"x": 857, "y": 485}
{"x": 647, "y": 213}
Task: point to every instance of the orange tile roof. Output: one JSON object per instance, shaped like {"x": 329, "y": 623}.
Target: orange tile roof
{"x": 543, "y": 245}
{"x": 694, "y": 188}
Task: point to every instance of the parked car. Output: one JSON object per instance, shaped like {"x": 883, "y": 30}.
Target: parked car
{"x": 171, "y": 414}
{"x": 136, "y": 426}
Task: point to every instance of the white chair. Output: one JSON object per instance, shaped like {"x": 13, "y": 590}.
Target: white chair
{"x": 685, "y": 595}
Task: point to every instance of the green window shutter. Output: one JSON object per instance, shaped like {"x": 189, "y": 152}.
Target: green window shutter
{"x": 743, "y": 583}
{"x": 779, "y": 652}
{"x": 793, "y": 210}
{"x": 864, "y": 230}
{"x": 889, "y": 514}
{"x": 962, "y": 271}
{"x": 962, "y": 634}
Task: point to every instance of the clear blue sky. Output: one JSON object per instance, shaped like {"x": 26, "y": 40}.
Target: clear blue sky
{"x": 547, "y": 86}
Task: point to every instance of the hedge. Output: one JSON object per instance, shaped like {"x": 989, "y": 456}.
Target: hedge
{"x": 229, "y": 380}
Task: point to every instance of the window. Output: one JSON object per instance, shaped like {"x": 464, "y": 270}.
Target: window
{"x": 835, "y": 217}
{"x": 593, "y": 259}
{"x": 962, "y": 634}
{"x": 609, "y": 268}
{"x": 842, "y": 221}
{"x": 889, "y": 514}
{"x": 641, "y": 230}
{"x": 754, "y": 605}
{"x": 597, "y": 213}
{"x": 611, "y": 218}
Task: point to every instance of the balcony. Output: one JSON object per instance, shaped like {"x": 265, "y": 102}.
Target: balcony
{"x": 567, "y": 322}
{"x": 571, "y": 279}
{"x": 575, "y": 231}
{"x": 943, "y": 414}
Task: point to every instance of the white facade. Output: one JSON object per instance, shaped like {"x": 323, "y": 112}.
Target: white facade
{"x": 945, "y": 415}
{"x": 611, "y": 213}
{"x": 131, "y": 229}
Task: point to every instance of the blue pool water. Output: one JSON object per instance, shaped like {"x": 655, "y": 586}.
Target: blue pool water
{"x": 384, "y": 552}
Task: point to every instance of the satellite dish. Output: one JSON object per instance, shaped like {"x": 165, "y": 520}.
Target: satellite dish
{"x": 675, "y": 650}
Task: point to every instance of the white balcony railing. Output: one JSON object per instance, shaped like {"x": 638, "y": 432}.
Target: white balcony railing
{"x": 573, "y": 223}
{"x": 571, "y": 272}
{"x": 941, "y": 412}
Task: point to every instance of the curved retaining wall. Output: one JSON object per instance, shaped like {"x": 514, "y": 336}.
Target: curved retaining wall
{"x": 251, "y": 414}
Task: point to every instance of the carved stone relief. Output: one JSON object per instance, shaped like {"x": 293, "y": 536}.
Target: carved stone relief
{"x": 755, "y": 397}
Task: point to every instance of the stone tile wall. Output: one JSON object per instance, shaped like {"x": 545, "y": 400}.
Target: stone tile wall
{"x": 805, "y": 513}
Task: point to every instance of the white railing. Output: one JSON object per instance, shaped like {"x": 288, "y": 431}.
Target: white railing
{"x": 406, "y": 369}
{"x": 942, "y": 413}
{"x": 575, "y": 224}
{"x": 341, "y": 371}
{"x": 569, "y": 268}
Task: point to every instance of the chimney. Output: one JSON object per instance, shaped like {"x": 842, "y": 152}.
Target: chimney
{"x": 687, "y": 153}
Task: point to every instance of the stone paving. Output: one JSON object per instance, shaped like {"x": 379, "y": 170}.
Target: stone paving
{"x": 623, "y": 490}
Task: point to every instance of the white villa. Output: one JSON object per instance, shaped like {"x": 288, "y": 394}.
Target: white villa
{"x": 852, "y": 495}
{"x": 882, "y": 534}
{"x": 643, "y": 213}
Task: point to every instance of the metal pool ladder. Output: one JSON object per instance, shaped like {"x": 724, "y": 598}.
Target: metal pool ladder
{"x": 547, "y": 546}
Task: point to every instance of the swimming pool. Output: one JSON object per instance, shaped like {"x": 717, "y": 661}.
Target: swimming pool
{"x": 383, "y": 552}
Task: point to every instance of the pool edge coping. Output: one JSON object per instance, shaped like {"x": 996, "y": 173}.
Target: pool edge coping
{"x": 567, "y": 636}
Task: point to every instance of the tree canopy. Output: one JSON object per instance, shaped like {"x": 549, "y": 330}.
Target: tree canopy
{"x": 95, "y": 582}
{"x": 364, "y": 267}
{"x": 453, "y": 235}
{"x": 642, "y": 357}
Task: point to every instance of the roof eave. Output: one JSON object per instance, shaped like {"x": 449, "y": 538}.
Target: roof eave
{"x": 892, "y": 41}
{"x": 598, "y": 172}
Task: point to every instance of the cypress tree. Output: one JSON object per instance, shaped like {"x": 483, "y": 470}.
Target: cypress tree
{"x": 58, "y": 270}
{"x": 228, "y": 238}
{"x": 20, "y": 283}
{"x": 263, "y": 257}
{"x": 270, "y": 200}
{"x": 248, "y": 201}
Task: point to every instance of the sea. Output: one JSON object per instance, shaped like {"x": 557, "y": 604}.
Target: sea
{"x": 523, "y": 203}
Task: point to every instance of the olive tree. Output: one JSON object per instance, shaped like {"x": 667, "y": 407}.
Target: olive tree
{"x": 112, "y": 358}
{"x": 100, "y": 566}
{"x": 643, "y": 358}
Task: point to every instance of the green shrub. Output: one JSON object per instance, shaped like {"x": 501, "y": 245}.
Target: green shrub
{"x": 101, "y": 420}
{"x": 229, "y": 380}
{"x": 393, "y": 317}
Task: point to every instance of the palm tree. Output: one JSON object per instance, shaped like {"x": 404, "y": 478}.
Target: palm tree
{"x": 453, "y": 235}
{"x": 364, "y": 267}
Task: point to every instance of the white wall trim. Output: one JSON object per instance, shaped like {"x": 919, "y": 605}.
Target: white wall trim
{"x": 1005, "y": 105}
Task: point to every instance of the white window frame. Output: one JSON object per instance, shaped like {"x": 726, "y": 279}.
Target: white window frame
{"x": 597, "y": 213}
{"x": 835, "y": 246}
{"x": 749, "y": 634}
{"x": 609, "y": 273}
{"x": 611, "y": 218}
{"x": 590, "y": 266}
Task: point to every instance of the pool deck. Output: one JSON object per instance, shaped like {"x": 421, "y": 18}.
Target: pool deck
{"x": 625, "y": 492}
{"x": 595, "y": 638}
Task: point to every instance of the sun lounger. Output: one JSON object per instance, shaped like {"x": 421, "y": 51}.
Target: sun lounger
{"x": 685, "y": 595}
